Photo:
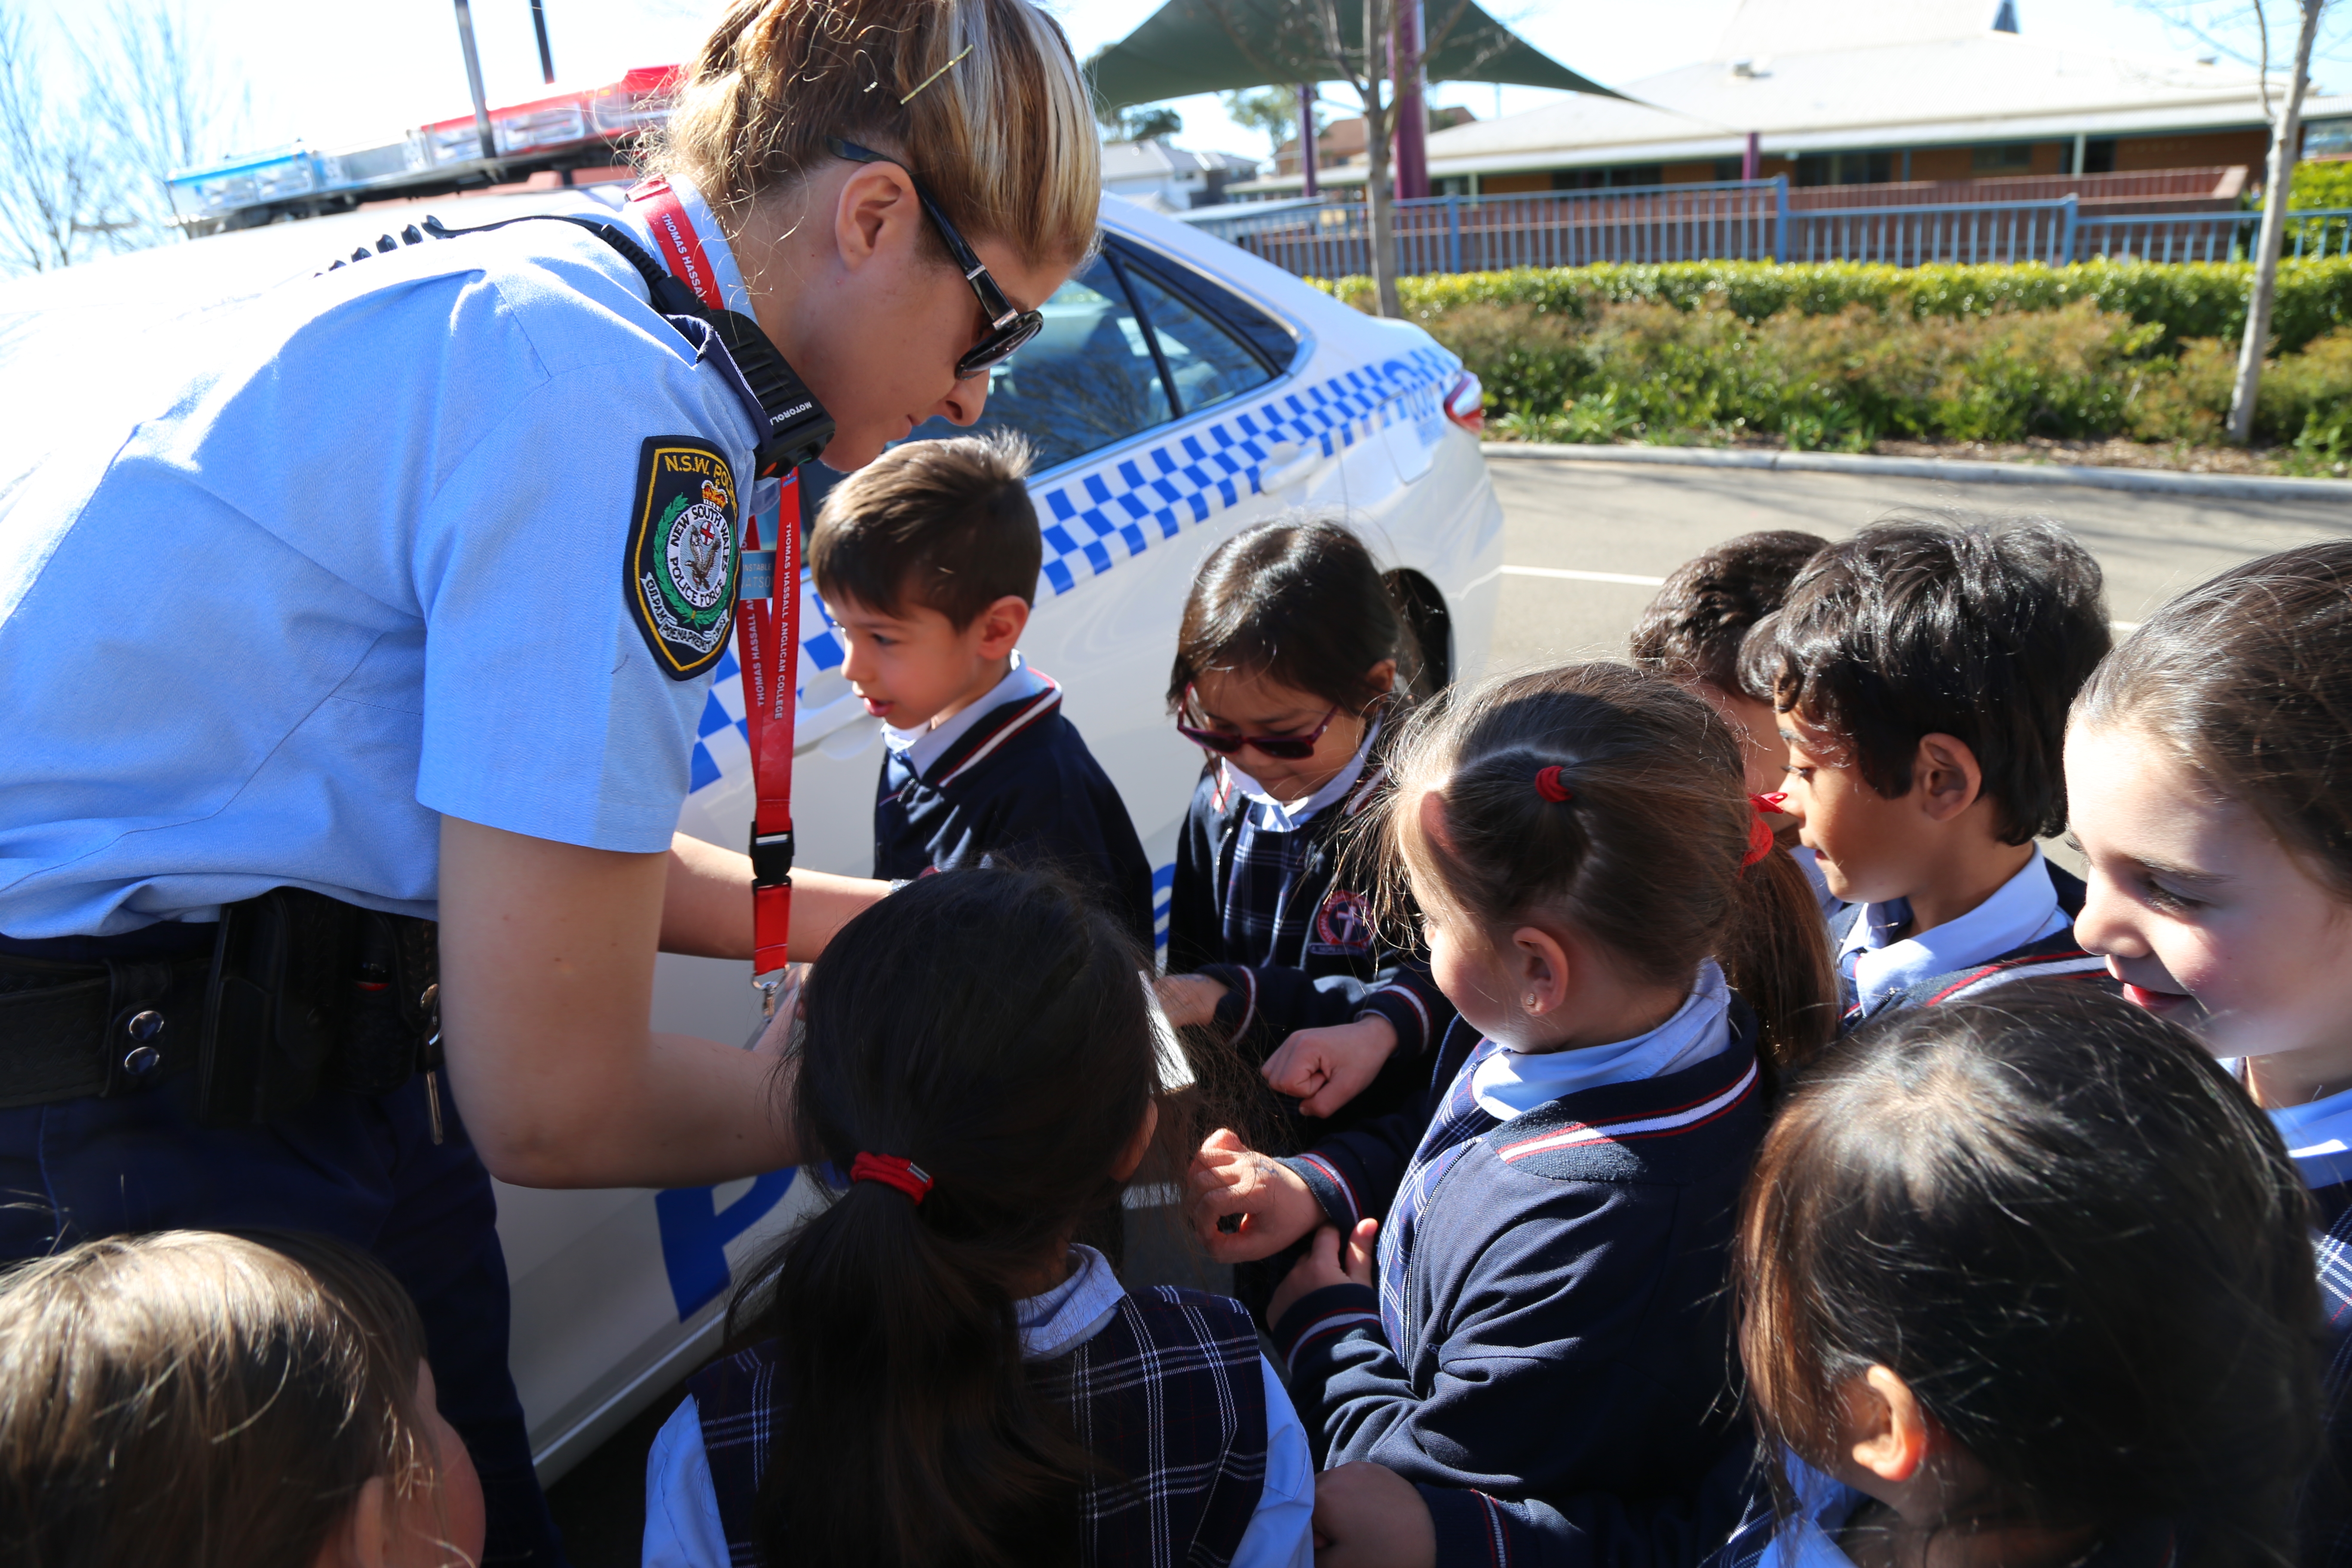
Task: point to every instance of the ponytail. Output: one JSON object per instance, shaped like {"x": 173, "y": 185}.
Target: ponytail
{"x": 1775, "y": 953}
{"x": 991, "y": 1026}
{"x": 1614, "y": 801}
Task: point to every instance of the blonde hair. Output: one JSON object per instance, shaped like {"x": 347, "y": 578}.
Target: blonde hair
{"x": 981, "y": 97}
{"x": 202, "y": 1399}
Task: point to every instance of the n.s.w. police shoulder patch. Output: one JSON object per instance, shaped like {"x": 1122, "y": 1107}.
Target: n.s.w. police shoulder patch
{"x": 683, "y": 557}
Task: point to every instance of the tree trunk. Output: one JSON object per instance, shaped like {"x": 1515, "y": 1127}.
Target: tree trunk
{"x": 2284, "y": 144}
{"x": 1379, "y": 15}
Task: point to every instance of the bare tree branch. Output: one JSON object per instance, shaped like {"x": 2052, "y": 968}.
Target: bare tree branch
{"x": 57, "y": 187}
{"x": 162, "y": 95}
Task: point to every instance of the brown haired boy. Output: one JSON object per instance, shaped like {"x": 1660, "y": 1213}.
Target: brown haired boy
{"x": 927, "y": 559}
{"x": 1924, "y": 671}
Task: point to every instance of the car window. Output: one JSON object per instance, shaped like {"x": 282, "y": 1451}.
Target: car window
{"x": 1086, "y": 380}
{"x": 1206, "y": 362}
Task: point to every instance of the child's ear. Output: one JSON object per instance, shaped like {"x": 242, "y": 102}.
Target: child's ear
{"x": 1946, "y": 775}
{"x": 1382, "y": 676}
{"x": 362, "y": 1537}
{"x": 1884, "y": 1428}
{"x": 1000, "y": 625}
{"x": 1539, "y": 969}
{"x": 1131, "y": 1159}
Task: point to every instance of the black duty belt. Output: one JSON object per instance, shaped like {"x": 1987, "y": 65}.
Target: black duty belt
{"x": 294, "y": 993}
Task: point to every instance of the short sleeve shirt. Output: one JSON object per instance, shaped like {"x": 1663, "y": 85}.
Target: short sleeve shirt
{"x": 327, "y": 564}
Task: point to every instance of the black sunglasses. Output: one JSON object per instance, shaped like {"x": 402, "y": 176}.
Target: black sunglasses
{"x": 1008, "y": 328}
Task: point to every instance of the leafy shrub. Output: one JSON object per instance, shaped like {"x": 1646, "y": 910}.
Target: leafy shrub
{"x": 2196, "y": 300}
{"x": 1657, "y": 372}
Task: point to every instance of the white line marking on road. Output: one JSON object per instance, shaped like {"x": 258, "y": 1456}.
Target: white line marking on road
{"x": 1627, "y": 577}
{"x": 1582, "y": 576}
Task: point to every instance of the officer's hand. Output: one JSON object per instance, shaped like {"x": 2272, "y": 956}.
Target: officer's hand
{"x": 1368, "y": 1516}
{"x": 1244, "y": 1205}
{"x": 1188, "y": 998}
{"x": 1327, "y": 1067}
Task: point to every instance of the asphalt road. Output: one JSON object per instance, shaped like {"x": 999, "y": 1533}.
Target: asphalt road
{"x": 1585, "y": 546}
{"x": 1617, "y": 528}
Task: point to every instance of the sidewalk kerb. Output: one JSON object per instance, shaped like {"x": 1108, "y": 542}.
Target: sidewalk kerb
{"x": 1959, "y": 470}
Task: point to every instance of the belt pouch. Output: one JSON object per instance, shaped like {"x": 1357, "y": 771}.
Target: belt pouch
{"x": 394, "y": 1029}
{"x": 280, "y": 987}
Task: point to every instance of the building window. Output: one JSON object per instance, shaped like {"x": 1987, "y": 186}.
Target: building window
{"x": 2099, "y": 155}
{"x": 1844, "y": 168}
{"x": 2004, "y": 158}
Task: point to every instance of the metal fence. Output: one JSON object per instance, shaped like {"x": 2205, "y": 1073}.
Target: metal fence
{"x": 1743, "y": 221}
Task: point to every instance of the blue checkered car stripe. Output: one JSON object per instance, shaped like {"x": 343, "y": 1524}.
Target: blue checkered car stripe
{"x": 1119, "y": 507}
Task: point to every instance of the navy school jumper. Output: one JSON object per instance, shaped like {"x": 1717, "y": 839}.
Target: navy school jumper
{"x": 1018, "y": 788}
{"x": 1562, "y": 1390}
{"x": 1313, "y": 955}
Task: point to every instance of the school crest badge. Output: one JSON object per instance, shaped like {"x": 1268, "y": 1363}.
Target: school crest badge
{"x": 1343, "y": 926}
{"x": 683, "y": 556}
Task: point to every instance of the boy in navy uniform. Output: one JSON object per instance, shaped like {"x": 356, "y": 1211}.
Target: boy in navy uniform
{"x": 927, "y": 559}
{"x": 1925, "y": 669}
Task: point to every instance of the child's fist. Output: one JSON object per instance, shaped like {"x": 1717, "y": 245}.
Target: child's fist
{"x": 1244, "y": 1205}
{"x": 1325, "y": 1069}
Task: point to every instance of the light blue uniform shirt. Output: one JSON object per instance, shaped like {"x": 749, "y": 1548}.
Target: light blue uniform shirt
{"x": 304, "y": 572}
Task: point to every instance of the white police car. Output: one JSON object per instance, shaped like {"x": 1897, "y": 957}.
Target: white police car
{"x": 1181, "y": 390}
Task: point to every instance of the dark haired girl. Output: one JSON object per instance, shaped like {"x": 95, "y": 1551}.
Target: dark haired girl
{"x": 941, "y": 1377}
{"x": 2024, "y": 1283}
{"x": 1286, "y": 673}
{"x": 1542, "y": 1316}
{"x": 2206, "y": 759}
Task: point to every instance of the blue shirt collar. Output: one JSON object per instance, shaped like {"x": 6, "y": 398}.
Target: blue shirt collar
{"x": 724, "y": 269}
{"x": 1510, "y": 1083}
{"x": 2024, "y": 909}
{"x": 918, "y": 749}
{"x": 1072, "y": 1312}
{"x": 2319, "y": 1138}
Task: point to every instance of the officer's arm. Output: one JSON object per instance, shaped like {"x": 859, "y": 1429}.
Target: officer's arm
{"x": 547, "y": 972}
{"x": 707, "y": 903}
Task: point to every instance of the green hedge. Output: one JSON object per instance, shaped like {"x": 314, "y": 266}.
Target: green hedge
{"x": 2198, "y": 300}
{"x": 1653, "y": 371}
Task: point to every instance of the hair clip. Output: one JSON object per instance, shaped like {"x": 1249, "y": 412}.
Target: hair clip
{"x": 1760, "y": 832}
{"x": 892, "y": 1171}
{"x": 936, "y": 74}
{"x": 1548, "y": 785}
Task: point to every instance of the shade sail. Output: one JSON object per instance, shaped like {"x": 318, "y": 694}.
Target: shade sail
{"x": 1213, "y": 46}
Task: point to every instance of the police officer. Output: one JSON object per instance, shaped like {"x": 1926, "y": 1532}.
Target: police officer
{"x": 391, "y": 596}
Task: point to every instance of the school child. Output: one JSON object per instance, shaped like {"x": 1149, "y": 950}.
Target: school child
{"x": 1286, "y": 676}
{"x": 939, "y": 1375}
{"x": 2023, "y": 1282}
{"x": 1515, "y": 1293}
{"x": 1693, "y": 631}
{"x": 2207, "y": 760}
{"x": 1924, "y": 671}
{"x": 208, "y": 1400}
{"x": 927, "y": 559}
{"x": 1996, "y": 1269}
{"x": 1711, "y": 609}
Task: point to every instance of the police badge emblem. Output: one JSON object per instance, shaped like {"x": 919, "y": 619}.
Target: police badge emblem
{"x": 683, "y": 556}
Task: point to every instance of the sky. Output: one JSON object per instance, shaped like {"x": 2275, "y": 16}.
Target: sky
{"x": 342, "y": 72}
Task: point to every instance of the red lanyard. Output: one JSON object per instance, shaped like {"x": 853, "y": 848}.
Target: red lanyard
{"x": 767, "y": 629}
